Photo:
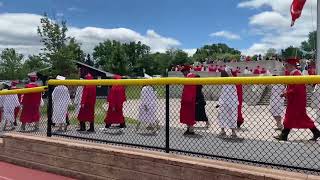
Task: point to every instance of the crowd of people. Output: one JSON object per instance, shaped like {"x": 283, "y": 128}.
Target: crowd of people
{"x": 308, "y": 69}
{"x": 192, "y": 109}
{"x": 219, "y": 68}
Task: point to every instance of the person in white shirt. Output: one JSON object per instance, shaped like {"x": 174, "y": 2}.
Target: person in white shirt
{"x": 61, "y": 101}
{"x": 228, "y": 106}
{"x": 276, "y": 106}
{"x": 9, "y": 103}
{"x": 148, "y": 108}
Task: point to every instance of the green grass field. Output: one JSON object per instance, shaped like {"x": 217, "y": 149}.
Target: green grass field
{"x": 133, "y": 92}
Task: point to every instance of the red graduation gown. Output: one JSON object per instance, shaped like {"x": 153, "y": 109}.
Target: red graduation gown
{"x": 88, "y": 102}
{"x": 116, "y": 98}
{"x": 240, "y": 119}
{"x": 188, "y": 104}
{"x": 256, "y": 71}
{"x": 296, "y": 114}
{"x": 31, "y": 106}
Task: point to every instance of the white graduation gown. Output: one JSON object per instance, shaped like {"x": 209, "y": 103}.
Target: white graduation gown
{"x": 276, "y": 102}
{"x": 10, "y": 102}
{"x": 305, "y": 72}
{"x": 228, "y": 110}
{"x": 148, "y": 103}
{"x": 77, "y": 99}
{"x": 247, "y": 72}
{"x": 61, "y": 100}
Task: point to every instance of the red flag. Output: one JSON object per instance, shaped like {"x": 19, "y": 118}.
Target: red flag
{"x": 296, "y": 9}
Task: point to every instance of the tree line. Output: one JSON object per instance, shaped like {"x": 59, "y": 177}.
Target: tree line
{"x": 60, "y": 52}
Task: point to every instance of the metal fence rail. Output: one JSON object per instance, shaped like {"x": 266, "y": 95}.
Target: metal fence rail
{"x": 155, "y": 124}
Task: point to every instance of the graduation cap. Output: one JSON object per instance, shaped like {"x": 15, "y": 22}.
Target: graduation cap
{"x": 116, "y": 76}
{"x": 60, "y": 77}
{"x": 88, "y": 76}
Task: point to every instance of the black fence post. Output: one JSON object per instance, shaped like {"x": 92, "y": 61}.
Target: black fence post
{"x": 49, "y": 111}
{"x": 167, "y": 117}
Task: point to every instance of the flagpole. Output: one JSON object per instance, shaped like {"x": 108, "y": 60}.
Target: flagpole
{"x": 318, "y": 38}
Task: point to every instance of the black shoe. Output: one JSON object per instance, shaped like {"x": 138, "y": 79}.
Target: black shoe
{"x": 91, "y": 129}
{"x": 122, "y": 125}
{"x": 316, "y": 135}
{"x": 239, "y": 125}
{"x": 82, "y": 127}
{"x": 281, "y": 137}
{"x": 189, "y": 133}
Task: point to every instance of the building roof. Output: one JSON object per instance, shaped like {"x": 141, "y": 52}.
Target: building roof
{"x": 108, "y": 74}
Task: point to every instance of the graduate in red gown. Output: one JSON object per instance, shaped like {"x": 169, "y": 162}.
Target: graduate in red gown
{"x": 87, "y": 109}
{"x": 17, "y": 109}
{"x": 212, "y": 68}
{"x": 31, "y": 106}
{"x": 296, "y": 116}
{"x": 257, "y": 71}
{"x": 188, "y": 103}
{"x": 116, "y": 98}
{"x": 240, "y": 119}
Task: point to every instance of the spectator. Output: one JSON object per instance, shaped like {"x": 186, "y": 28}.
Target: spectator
{"x": 257, "y": 71}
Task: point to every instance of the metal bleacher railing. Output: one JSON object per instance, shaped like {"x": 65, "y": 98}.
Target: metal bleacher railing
{"x": 254, "y": 143}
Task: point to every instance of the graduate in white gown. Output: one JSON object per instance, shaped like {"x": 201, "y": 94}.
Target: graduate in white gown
{"x": 9, "y": 103}
{"x": 61, "y": 101}
{"x": 148, "y": 108}
{"x": 228, "y": 106}
{"x": 276, "y": 106}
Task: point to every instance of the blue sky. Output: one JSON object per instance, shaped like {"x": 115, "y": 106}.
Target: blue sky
{"x": 242, "y": 24}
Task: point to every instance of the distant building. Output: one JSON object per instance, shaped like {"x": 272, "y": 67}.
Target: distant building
{"x": 102, "y": 91}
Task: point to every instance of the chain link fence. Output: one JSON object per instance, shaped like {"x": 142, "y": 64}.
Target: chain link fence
{"x": 238, "y": 123}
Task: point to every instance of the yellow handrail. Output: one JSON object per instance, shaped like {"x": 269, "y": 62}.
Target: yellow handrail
{"x": 24, "y": 90}
{"x": 195, "y": 81}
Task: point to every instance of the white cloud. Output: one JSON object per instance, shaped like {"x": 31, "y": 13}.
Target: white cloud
{"x": 274, "y": 25}
{"x": 225, "y": 34}
{"x": 190, "y": 52}
{"x": 19, "y": 30}
{"x": 270, "y": 20}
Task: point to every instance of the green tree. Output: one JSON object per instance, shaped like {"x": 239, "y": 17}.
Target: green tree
{"x": 178, "y": 57}
{"x": 60, "y": 51}
{"x": 255, "y": 57}
{"x": 291, "y": 52}
{"x": 111, "y": 56}
{"x": 161, "y": 62}
{"x": 271, "y": 52}
{"x": 33, "y": 63}
{"x": 310, "y": 46}
{"x": 138, "y": 57}
{"x": 11, "y": 64}
{"x": 217, "y": 52}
